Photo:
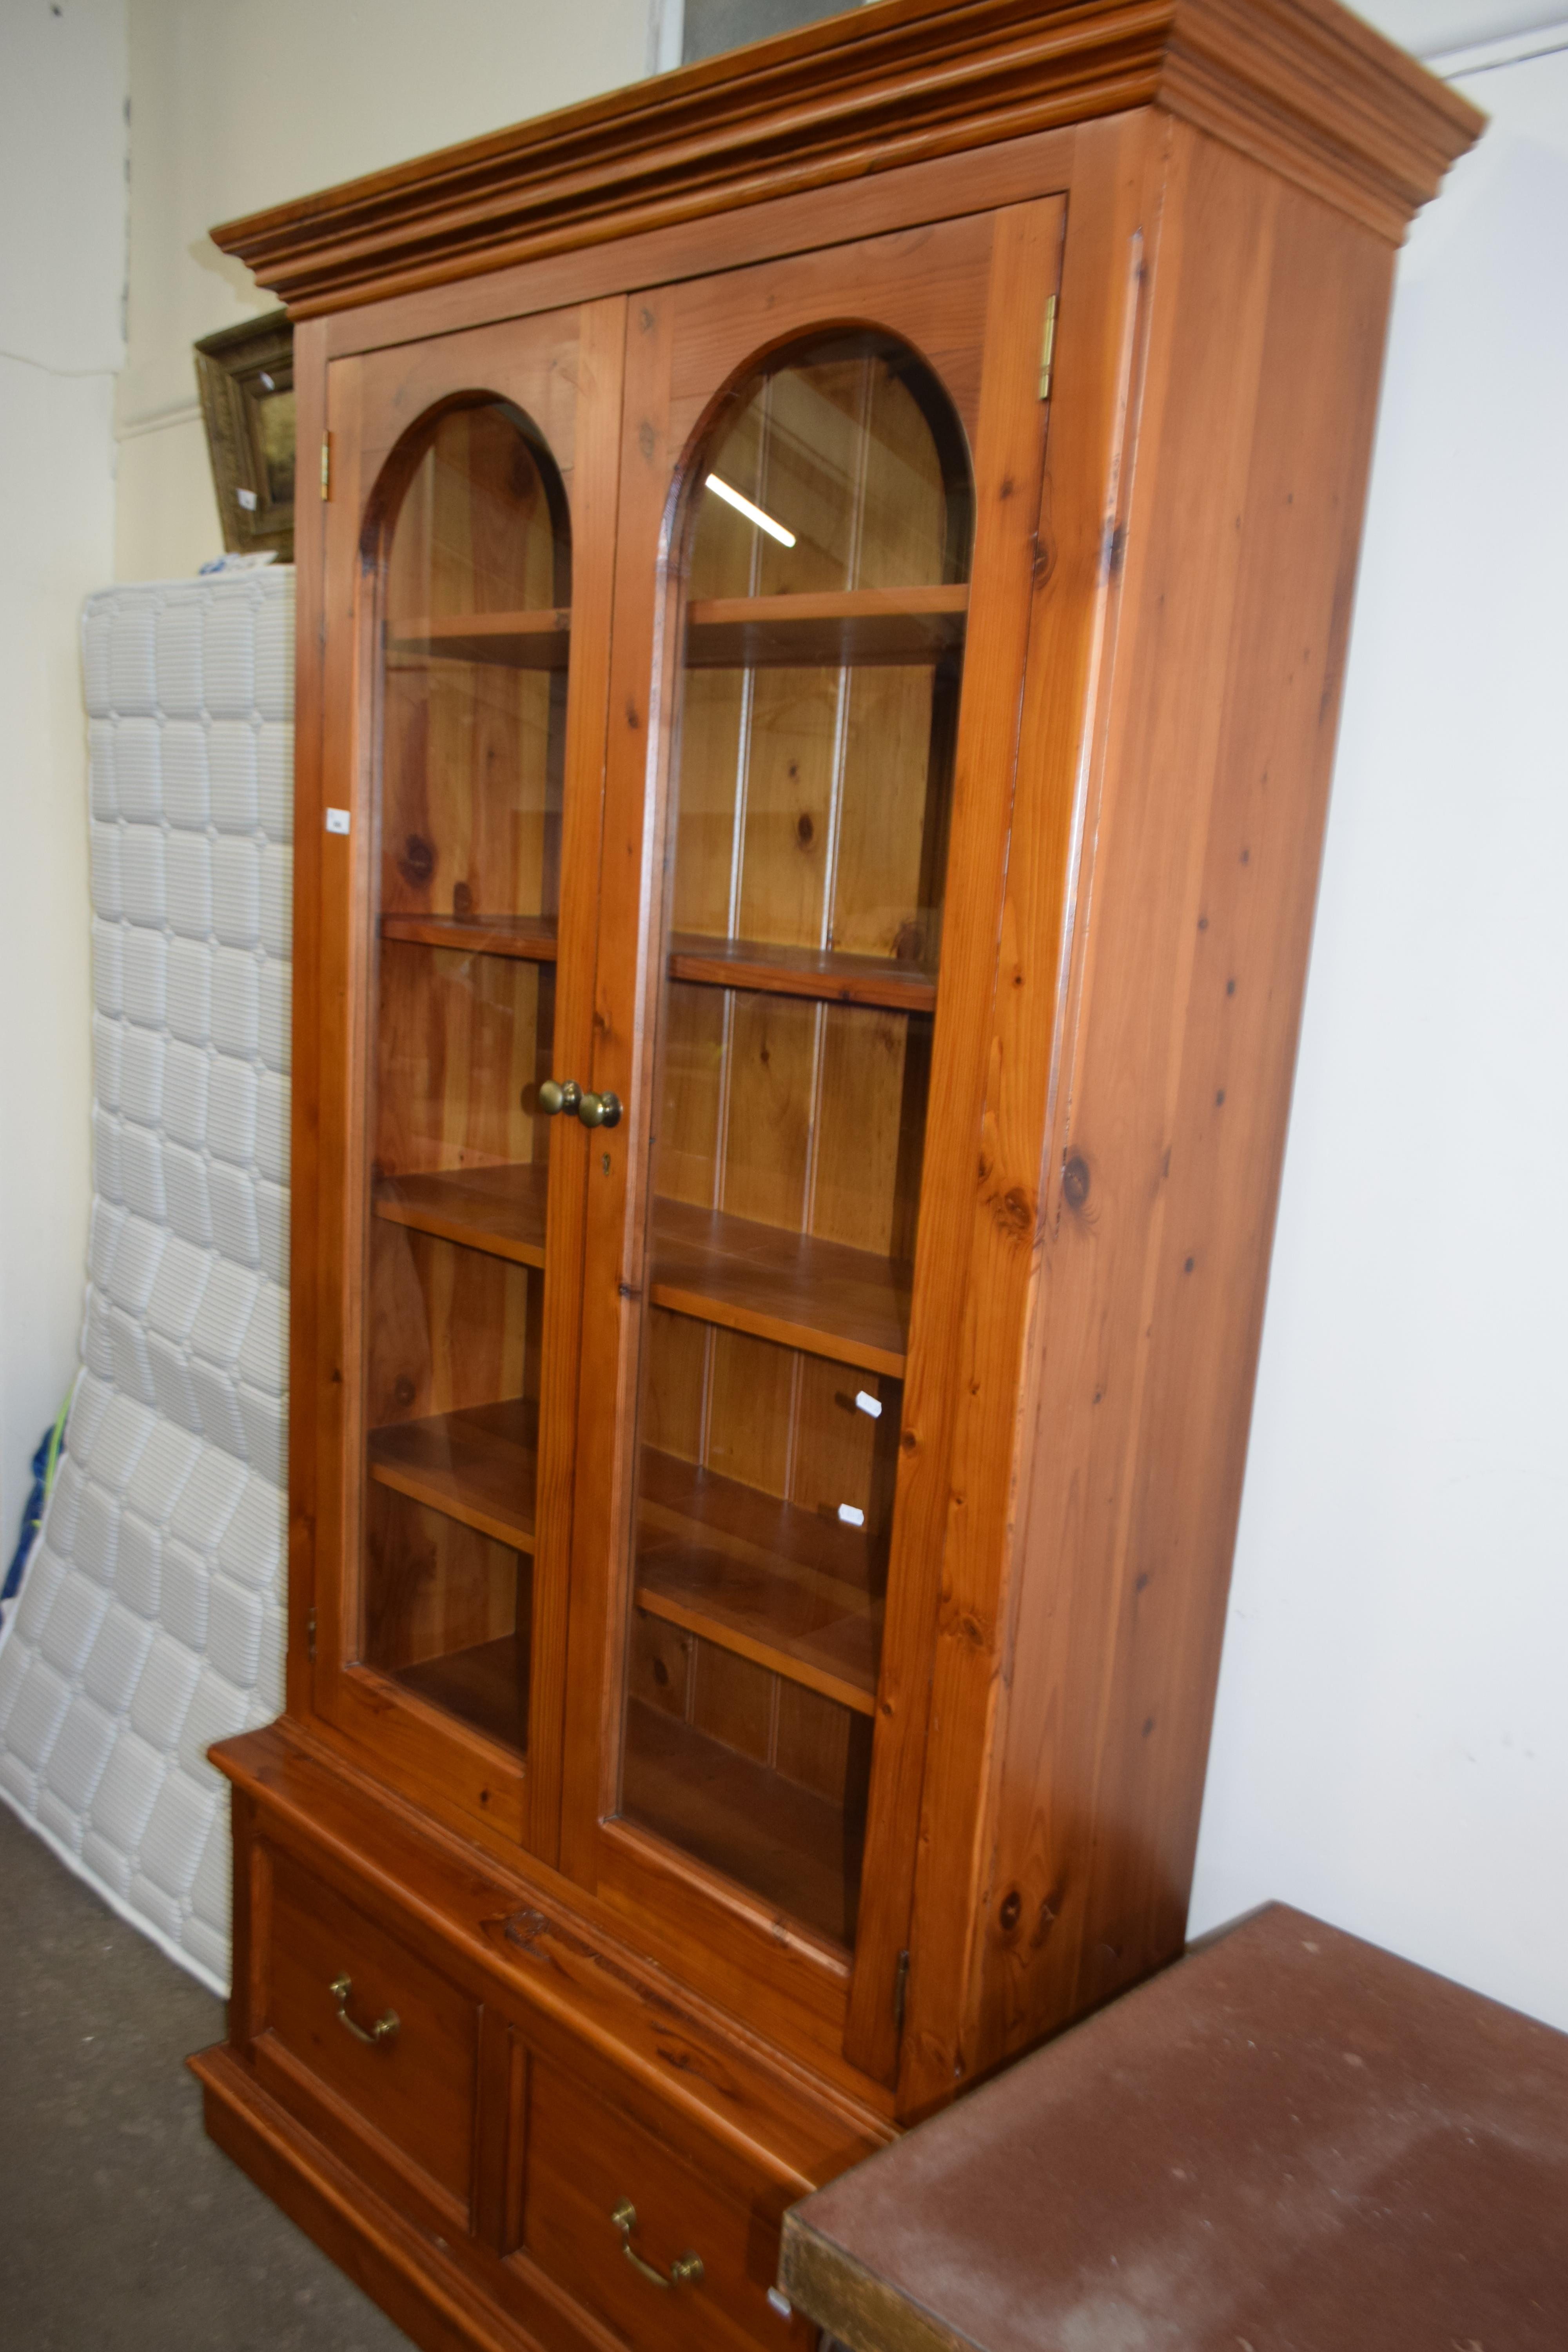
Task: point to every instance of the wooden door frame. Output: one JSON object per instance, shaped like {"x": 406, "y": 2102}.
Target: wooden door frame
{"x": 903, "y": 281}
{"x": 563, "y": 369}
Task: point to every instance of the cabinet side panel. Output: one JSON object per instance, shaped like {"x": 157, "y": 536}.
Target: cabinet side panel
{"x": 991, "y": 1224}
{"x": 310, "y": 558}
{"x": 1266, "y": 345}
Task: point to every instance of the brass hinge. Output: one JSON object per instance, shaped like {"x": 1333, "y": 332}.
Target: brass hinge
{"x": 1047, "y": 346}
{"x": 900, "y": 1990}
{"x": 310, "y": 1636}
{"x": 327, "y": 463}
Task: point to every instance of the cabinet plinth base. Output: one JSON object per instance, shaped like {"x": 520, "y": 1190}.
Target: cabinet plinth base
{"x": 456, "y": 2084}
{"x": 396, "y": 2265}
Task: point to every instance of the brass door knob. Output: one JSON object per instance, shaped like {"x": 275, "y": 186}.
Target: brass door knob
{"x": 565, "y": 1095}
{"x": 599, "y": 1110}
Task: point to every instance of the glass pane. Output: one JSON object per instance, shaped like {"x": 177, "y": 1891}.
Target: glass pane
{"x": 828, "y": 556}
{"x": 476, "y": 630}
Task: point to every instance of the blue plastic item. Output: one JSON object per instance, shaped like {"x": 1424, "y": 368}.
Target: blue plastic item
{"x": 44, "y": 1465}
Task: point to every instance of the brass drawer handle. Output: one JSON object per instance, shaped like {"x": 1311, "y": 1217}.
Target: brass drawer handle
{"x": 686, "y": 2269}
{"x": 384, "y": 2030}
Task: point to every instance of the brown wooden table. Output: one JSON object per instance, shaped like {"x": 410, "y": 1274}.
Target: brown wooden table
{"x": 1288, "y": 2142}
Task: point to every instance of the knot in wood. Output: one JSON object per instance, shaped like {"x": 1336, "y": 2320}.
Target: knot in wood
{"x": 525, "y": 1928}
{"x": 1014, "y": 1211}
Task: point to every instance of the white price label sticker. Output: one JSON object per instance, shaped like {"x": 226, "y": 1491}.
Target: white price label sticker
{"x": 337, "y": 820}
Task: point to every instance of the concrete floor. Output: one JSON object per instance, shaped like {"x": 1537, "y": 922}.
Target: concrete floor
{"x": 121, "y": 2224}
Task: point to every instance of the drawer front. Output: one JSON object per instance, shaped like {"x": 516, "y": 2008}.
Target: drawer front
{"x": 331, "y": 1969}
{"x": 585, "y": 2161}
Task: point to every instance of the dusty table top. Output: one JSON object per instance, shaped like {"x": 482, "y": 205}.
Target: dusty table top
{"x": 1290, "y": 2142}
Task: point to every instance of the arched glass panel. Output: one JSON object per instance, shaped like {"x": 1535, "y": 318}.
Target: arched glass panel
{"x": 827, "y": 555}
{"x": 475, "y": 632}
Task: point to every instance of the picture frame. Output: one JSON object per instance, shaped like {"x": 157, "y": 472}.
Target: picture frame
{"x": 245, "y": 378}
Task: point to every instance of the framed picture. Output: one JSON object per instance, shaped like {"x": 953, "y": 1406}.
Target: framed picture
{"x": 246, "y": 376}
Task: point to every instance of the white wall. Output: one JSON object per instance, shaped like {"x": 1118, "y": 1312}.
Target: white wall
{"x": 1391, "y": 1749}
{"x": 62, "y": 263}
{"x": 237, "y": 104}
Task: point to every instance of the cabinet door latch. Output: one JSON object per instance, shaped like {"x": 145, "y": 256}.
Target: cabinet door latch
{"x": 327, "y": 463}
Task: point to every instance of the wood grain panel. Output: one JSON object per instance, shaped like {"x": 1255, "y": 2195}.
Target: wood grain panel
{"x": 1157, "y": 1247}
{"x": 462, "y": 1043}
{"x": 599, "y": 363}
{"x": 584, "y": 1995}
{"x": 470, "y": 797}
{"x": 845, "y": 1303}
{"x": 468, "y": 1044}
{"x": 529, "y": 937}
{"x": 897, "y": 779}
{"x": 1064, "y": 601}
{"x": 764, "y": 1121}
{"x": 774, "y": 1837}
{"x": 422, "y": 2284}
{"x": 497, "y": 1209}
{"x": 418, "y": 2088}
{"x": 308, "y": 1270}
{"x": 791, "y": 741}
{"x": 785, "y": 1583}
{"x": 479, "y": 1465}
{"x": 435, "y": 1582}
{"x": 812, "y": 823}
{"x": 1022, "y": 264}
{"x": 519, "y": 640}
{"x": 449, "y": 1328}
{"x": 866, "y": 627}
{"x": 823, "y": 973}
{"x": 598, "y": 2158}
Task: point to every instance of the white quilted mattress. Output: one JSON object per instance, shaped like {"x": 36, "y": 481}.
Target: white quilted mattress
{"x": 151, "y": 1620}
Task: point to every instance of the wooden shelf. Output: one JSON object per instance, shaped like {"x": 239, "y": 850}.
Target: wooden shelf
{"x": 821, "y": 972}
{"x": 486, "y": 1686}
{"x": 759, "y": 1576}
{"x": 791, "y": 1847}
{"x": 541, "y": 640}
{"x": 835, "y": 978}
{"x": 480, "y": 1466}
{"x": 846, "y": 1304}
{"x": 889, "y": 625}
{"x": 497, "y": 1209}
{"x": 531, "y": 938}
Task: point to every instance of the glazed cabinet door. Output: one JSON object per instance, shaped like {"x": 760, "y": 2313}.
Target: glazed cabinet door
{"x": 830, "y": 480}
{"x": 469, "y": 548}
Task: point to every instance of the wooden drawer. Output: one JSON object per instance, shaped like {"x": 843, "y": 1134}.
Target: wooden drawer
{"x": 413, "y": 2085}
{"x": 585, "y": 2159}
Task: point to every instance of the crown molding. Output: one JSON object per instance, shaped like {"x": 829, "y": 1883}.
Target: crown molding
{"x": 1301, "y": 84}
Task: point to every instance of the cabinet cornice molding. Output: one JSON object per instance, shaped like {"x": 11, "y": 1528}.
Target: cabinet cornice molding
{"x": 1301, "y": 84}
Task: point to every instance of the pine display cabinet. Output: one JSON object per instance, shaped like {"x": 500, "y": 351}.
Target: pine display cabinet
{"x": 819, "y": 653}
